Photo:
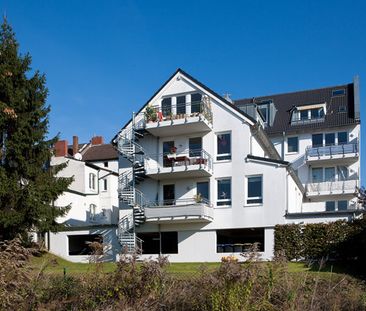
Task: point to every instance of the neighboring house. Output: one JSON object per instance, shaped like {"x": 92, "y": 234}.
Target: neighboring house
{"x": 202, "y": 176}
{"x": 93, "y": 198}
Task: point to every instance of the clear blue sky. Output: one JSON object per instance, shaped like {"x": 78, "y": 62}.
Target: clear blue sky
{"x": 104, "y": 59}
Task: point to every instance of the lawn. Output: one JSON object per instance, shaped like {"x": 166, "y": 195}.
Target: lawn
{"x": 54, "y": 264}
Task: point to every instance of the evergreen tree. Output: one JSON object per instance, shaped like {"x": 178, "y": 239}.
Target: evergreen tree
{"x": 28, "y": 186}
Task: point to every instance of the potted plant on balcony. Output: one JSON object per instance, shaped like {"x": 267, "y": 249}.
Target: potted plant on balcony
{"x": 150, "y": 114}
{"x": 198, "y": 198}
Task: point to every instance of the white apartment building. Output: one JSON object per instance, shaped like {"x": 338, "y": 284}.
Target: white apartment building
{"x": 93, "y": 199}
{"x": 202, "y": 176}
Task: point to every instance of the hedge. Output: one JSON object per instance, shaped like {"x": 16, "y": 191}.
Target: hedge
{"x": 339, "y": 240}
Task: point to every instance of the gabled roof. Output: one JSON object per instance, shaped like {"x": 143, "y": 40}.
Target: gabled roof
{"x": 200, "y": 84}
{"x": 100, "y": 153}
{"x": 286, "y": 102}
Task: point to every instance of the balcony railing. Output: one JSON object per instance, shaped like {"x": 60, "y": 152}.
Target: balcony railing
{"x": 332, "y": 150}
{"x": 332, "y": 187}
{"x": 180, "y": 209}
{"x": 187, "y": 159}
{"x": 173, "y": 112}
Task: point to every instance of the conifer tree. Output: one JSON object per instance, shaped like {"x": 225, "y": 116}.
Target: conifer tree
{"x": 28, "y": 185}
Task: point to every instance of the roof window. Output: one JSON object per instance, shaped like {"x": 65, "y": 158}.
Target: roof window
{"x": 338, "y": 92}
{"x": 342, "y": 109}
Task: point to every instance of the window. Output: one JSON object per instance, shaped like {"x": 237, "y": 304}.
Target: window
{"x": 330, "y": 206}
{"x": 167, "y": 149}
{"x": 92, "y": 211}
{"x": 254, "y": 190}
{"x": 317, "y": 140}
{"x": 181, "y": 104}
{"x": 264, "y": 112}
{"x": 195, "y": 146}
{"x": 329, "y": 174}
{"x": 92, "y": 181}
{"x": 329, "y": 139}
{"x": 168, "y": 241}
{"x": 342, "y": 109}
{"x": 292, "y": 144}
{"x": 80, "y": 244}
{"x": 166, "y": 106}
{"x": 317, "y": 113}
{"x": 339, "y": 92}
{"x": 223, "y": 146}
{"x": 342, "y": 205}
{"x": 308, "y": 113}
{"x": 239, "y": 240}
{"x": 342, "y": 173}
{"x": 317, "y": 174}
{"x": 342, "y": 138}
{"x": 169, "y": 194}
{"x": 196, "y": 102}
{"x": 203, "y": 189}
{"x": 106, "y": 164}
{"x": 105, "y": 184}
{"x": 224, "y": 192}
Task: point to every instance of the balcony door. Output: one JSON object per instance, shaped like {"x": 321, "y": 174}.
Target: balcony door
{"x": 181, "y": 105}
{"x": 203, "y": 190}
{"x": 195, "y": 146}
{"x": 167, "y": 149}
{"x": 166, "y": 106}
{"x": 169, "y": 194}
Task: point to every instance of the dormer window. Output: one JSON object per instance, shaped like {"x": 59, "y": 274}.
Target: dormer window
{"x": 308, "y": 114}
{"x": 338, "y": 92}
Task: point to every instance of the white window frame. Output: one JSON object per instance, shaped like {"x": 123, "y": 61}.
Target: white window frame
{"x": 217, "y": 147}
{"x": 247, "y": 192}
{"x": 298, "y": 145}
{"x": 92, "y": 179}
{"x": 105, "y": 184}
{"x": 217, "y": 193}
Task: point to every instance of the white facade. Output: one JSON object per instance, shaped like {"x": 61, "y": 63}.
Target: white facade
{"x": 94, "y": 206}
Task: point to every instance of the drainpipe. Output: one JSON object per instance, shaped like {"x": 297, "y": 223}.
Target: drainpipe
{"x": 286, "y": 191}
{"x": 160, "y": 253}
{"x": 283, "y": 146}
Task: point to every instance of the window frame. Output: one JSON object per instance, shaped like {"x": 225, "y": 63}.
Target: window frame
{"x": 217, "y": 148}
{"x": 105, "y": 184}
{"x": 247, "y": 197}
{"x": 92, "y": 179}
{"x": 293, "y": 152}
{"x": 229, "y": 201}
{"x": 92, "y": 212}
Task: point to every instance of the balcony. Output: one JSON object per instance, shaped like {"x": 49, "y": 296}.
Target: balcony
{"x": 176, "y": 119}
{"x": 180, "y": 211}
{"x": 327, "y": 188}
{"x": 187, "y": 164}
{"x": 348, "y": 152}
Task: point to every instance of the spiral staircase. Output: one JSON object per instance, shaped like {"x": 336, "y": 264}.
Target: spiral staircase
{"x": 129, "y": 148}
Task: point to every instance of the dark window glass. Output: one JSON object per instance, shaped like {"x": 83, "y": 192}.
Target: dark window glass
{"x": 196, "y": 102}
{"x": 106, "y": 164}
{"x": 105, "y": 184}
{"x": 239, "y": 240}
{"x": 168, "y": 147}
{"x": 317, "y": 175}
{"x": 338, "y": 92}
{"x": 342, "y": 205}
{"x": 254, "y": 190}
{"x": 330, "y": 206}
{"x": 224, "y": 146}
{"x": 342, "y": 138}
{"x": 151, "y": 242}
{"x": 342, "y": 173}
{"x": 329, "y": 139}
{"x": 195, "y": 146}
{"x": 304, "y": 115}
{"x": 329, "y": 174}
{"x": 342, "y": 109}
{"x": 169, "y": 242}
{"x": 263, "y": 110}
{"x": 203, "y": 189}
{"x": 80, "y": 244}
{"x": 224, "y": 192}
{"x": 317, "y": 140}
{"x": 292, "y": 144}
{"x": 166, "y": 106}
{"x": 169, "y": 194}
{"x": 181, "y": 104}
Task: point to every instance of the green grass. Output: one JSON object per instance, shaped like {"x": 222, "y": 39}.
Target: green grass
{"x": 55, "y": 264}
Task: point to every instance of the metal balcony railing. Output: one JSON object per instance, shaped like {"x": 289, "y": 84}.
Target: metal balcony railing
{"x": 329, "y": 187}
{"x": 180, "y": 202}
{"x": 332, "y": 150}
{"x": 186, "y": 158}
{"x": 173, "y": 112}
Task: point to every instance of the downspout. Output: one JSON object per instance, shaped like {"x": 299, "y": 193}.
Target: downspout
{"x": 286, "y": 191}
{"x": 283, "y": 146}
{"x": 159, "y": 228}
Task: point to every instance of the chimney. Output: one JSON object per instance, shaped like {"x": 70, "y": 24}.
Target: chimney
{"x": 61, "y": 148}
{"x": 97, "y": 140}
{"x": 75, "y": 145}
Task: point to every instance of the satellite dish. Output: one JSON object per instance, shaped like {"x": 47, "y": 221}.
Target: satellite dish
{"x": 78, "y": 156}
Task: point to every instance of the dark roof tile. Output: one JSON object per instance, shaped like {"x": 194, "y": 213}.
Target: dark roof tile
{"x": 100, "y": 152}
